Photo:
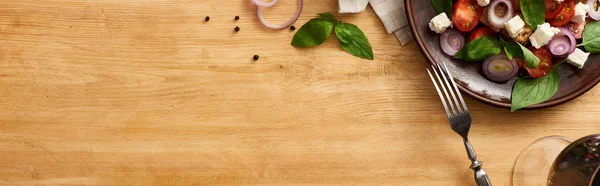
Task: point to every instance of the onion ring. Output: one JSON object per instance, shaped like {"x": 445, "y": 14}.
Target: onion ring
{"x": 265, "y": 4}
{"x": 496, "y": 21}
{"x": 594, "y": 14}
{"x": 281, "y": 26}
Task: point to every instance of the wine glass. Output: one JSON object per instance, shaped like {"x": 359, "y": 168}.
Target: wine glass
{"x": 559, "y": 161}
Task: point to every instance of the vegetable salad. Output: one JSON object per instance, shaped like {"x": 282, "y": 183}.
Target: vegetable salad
{"x": 512, "y": 36}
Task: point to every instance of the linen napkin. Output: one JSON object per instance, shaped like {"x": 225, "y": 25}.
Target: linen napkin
{"x": 392, "y": 14}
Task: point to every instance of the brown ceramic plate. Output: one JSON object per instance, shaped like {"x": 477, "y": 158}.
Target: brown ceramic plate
{"x": 573, "y": 82}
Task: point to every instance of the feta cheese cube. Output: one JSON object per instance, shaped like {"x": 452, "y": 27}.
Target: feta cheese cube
{"x": 440, "y": 23}
{"x": 483, "y": 2}
{"x": 514, "y": 26}
{"x": 581, "y": 11}
{"x": 543, "y": 35}
{"x": 578, "y": 58}
{"x": 559, "y": 0}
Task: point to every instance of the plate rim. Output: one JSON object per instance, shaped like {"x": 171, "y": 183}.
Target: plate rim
{"x": 551, "y": 103}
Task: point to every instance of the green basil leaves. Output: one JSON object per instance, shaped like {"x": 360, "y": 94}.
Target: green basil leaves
{"x": 317, "y": 30}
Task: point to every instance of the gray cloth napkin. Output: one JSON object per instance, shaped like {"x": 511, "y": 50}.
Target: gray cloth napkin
{"x": 391, "y": 12}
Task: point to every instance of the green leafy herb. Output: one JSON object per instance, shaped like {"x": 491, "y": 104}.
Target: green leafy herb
{"x": 591, "y": 37}
{"x": 327, "y": 16}
{"x": 512, "y": 48}
{"x": 534, "y": 12}
{"x": 313, "y": 33}
{"x": 317, "y": 30}
{"x": 353, "y": 40}
{"x": 527, "y": 91}
{"x": 443, "y": 6}
{"x": 479, "y": 49}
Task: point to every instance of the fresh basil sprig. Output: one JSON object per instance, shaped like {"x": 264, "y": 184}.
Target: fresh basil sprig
{"x": 353, "y": 40}
{"x": 591, "y": 37}
{"x": 317, "y": 30}
{"x": 443, "y": 6}
{"x": 534, "y": 12}
{"x": 512, "y": 48}
{"x": 479, "y": 49}
{"x": 528, "y": 91}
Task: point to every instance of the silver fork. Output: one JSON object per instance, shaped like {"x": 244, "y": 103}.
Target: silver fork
{"x": 458, "y": 115}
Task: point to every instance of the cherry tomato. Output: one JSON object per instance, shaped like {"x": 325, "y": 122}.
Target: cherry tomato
{"x": 565, "y": 15}
{"x": 480, "y": 32}
{"x": 553, "y": 8}
{"x": 466, "y": 14}
{"x": 545, "y": 62}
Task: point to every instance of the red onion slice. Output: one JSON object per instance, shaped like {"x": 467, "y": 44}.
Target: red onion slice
{"x": 594, "y": 13}
{"x": 494, "y": 20}
{"x": 452, "y": 41}
{"x": 562, "y": 44}
{"x": 576, "y": 29}
{"x": 500, "y": 69}
{"x": 281, "y": 26}
{"x": 265, "y": 4}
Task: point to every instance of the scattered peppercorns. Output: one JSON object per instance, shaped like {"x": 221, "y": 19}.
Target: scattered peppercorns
{"x": 237, "y": 17}
{"x": 237, "y": 28}
{"x": 206, "y": 18}
{"x": 292, "y": 28}
{"x": 255, "y": 57}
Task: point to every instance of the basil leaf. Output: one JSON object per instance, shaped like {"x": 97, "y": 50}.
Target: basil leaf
{"x": 534, "y": 12}
{"x": 479, "y": 49}
{"x": 512, "y": 48}
{"x": 527, "y": 91}
{"x": 443, "y": 6}
{"x": 313, "y": 33}
{"x": 353, "y": 40}
{"x": 591, "y": 37}
{"x": 327, "y": 16}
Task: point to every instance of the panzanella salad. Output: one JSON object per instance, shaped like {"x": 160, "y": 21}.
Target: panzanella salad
{"x": 510, "y": 35}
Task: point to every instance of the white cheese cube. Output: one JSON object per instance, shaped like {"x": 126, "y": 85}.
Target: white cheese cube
{"x": 440, "y": 23}
{"x": 578, "y": 58}
{"x": 483, "y": 3}
{"x": 559, "y": 0}
{"x": 514, "y": 26}
{"x": 542, "y": 35}
{"x": 581, "y": 11}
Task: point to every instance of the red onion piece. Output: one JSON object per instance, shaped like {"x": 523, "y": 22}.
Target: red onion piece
{"x": 500, "y": 69}
{"x": 264, "y": 4}
{"x": 594, "y": 14}
{"x": 281, "y": 26}
{"x": 498, "y": 22}
{"x": 562, "y": 44}
{"x": 452, "y": 41}
{"x": 576, "y": 29}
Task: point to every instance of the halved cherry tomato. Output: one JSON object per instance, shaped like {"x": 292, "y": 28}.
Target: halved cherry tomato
{"x": 545, "y": 62}
{"x": 480, "y": 32}
{"x": 565, "y": 15}
{"x": 466, "y": 14}
{"x": 553, "y": 8}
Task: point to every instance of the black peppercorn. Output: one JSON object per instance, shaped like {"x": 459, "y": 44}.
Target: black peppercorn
{"x": 255, "y": 57}
{"x": 292, "y": 28}
{"x": 237, "y": 17}
{"x": 207, "y": 18}
{"x": 237, "y": 28}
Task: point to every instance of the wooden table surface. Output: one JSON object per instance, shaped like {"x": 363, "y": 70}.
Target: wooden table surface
{"x": 145, "y": 92}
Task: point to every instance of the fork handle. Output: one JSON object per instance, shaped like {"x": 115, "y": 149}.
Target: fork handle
{"x": 481, "y": 177}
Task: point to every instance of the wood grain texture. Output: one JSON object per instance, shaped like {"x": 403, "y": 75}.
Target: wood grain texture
{"x": 145, "y": 92}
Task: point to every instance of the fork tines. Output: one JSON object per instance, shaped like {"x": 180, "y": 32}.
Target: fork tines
{"x": 446, "y": 86}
